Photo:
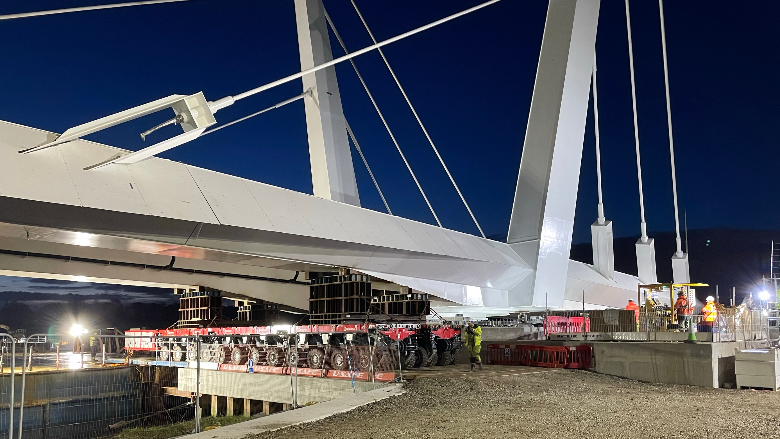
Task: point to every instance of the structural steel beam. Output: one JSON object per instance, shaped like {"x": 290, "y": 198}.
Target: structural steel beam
{"x": 332, "y": 173}
{"x": 541, "y": 226}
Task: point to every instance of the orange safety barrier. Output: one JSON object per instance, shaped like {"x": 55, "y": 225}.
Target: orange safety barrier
{"x": 569, "y": 357}
{"x": 580, "y": 357}
{"x": 503, "y": 354}
{"x": 556, "y": 324}
{"x": 543, "y": 356}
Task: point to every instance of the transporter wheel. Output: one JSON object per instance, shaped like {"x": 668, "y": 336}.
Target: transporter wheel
{"x": 444, "y": 358}
{"x": 192, "y": 352}
{"x": 408, "y": 360}
{"x": 210, "y": 352}
{"x": 292, "y": 358}
{"x": 273, "y": 356}
{"x": 454, "y": 356}
{"x": 433, "y": 357}
{"x": 422, "y": 357}
{"x": 178, "y": 352}
{"x": 316, "y": 358}
{"x": 237, "y": 355}
{"x": 223, "y": 354}
{"x": 363, "y": 360}
{"x": 338, "y": 359}
{"x": 388, "y": 361}
{"x": 165, "y": 354}
{"x": 254, "y": 354}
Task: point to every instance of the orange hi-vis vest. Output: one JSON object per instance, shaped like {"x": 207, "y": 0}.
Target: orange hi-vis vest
{"x": 682, "y": 306}
{"x": 709, "y": 312}
{"x": 635, "y": 307}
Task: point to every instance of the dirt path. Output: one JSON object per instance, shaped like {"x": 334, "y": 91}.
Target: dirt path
{"x": 517, "y": 402}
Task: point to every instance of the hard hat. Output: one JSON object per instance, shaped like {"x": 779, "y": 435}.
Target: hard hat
{"x": 680, "y": 293}
{"x": 630, "y": 300}
{"x": 710, "y": 299}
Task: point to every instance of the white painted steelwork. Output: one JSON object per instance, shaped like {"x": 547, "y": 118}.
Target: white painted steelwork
{"x": 332, "y": 174}
{"x": 541, "y": 226}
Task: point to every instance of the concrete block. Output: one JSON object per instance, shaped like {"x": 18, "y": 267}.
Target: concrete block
{"x": 765, "y": 382}
{"x": 267, "y": 387}
{"x": 669, "y": 363}
{"x": 214, "y": 404}
{"x": 230, "y": 409}
{"x": 772, "y": 355}
{"x": 759, "y": 368}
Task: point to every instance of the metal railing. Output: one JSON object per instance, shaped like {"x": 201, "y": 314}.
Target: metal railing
{"x": 727, "y": 325}
{"x": 90, "y": 386}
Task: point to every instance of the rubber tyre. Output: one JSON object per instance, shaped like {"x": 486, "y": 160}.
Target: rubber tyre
{"x": 316, "y": 358}
{"x": 293, "y": 358}
{"x": 192, "y": 354}
{"x": 454, "y": 356}
{"x": 338, "y": 360}
{"x": 177, "y": 353}
{"x": 363, "y": 360}
{"x": 422, "y": 357}
{"x": 223, "y": 354}
{"x": 408, "y": 361}
{"x": 237, "y": 356}
{"x": 213, "y": 353}
{"x": 254, "y": 354}
{"x": 273, "y": 356}
{"x": 432, "y": 359}
{"x": 205, "y": 353}
{"x": 444, "y": 358}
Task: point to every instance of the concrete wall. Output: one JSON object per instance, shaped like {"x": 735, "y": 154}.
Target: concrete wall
{"x": 705, "y": 364}
{"x": 701, "y": 364}
{"x": 266, "y": 387}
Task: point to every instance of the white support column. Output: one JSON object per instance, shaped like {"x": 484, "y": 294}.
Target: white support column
{"x": 543, "y": 213}
{"x": 332, "y": 173}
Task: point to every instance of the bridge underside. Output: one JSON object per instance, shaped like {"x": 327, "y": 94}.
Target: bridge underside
{"x": 123, "y": 224}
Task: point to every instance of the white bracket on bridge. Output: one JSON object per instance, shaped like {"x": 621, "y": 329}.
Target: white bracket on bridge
{"x": 192, "y": 112}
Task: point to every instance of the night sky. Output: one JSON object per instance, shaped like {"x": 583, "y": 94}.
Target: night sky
{"x": 470, "y": 79}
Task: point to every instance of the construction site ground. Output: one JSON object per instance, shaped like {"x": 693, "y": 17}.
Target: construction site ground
{"x": 507, "y": 401}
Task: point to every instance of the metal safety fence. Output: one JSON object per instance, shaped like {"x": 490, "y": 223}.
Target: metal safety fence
{"x": 736, "y": 324}
{"x": 95, "y": 385}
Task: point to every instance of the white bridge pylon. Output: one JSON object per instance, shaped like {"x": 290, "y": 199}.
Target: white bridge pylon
{"x": 163, "y": 208}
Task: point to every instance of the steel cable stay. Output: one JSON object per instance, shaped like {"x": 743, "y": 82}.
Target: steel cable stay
{"x": 669, "y": 122}
{"x": 86, "y": 8}
{"x": 643, "y": 224}
{"x": 197, "y": 113}
{"x": 257, "y": 113}
{"x": 384, "y": 121}
{"x": 368, "y": 168}
{"x": 416, "y": 116}
{"x": 289, "y": 101}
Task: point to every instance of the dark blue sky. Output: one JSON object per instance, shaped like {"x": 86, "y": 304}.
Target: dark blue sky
{"x": 471, "y": 81}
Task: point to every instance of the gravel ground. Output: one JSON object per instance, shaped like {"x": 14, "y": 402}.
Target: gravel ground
{"x": 504, "y": 402}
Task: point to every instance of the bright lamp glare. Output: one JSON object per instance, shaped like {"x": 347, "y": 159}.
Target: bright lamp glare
{"x": 763, "y": 295}
{"x": 77, "y": 330}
